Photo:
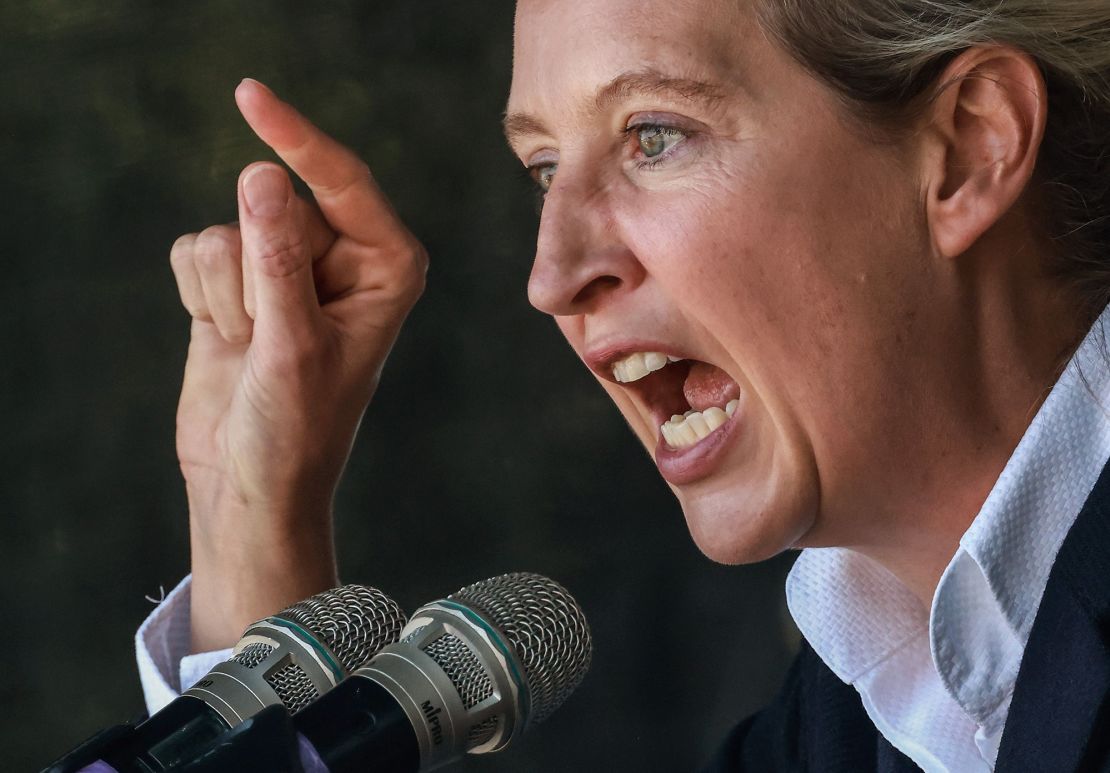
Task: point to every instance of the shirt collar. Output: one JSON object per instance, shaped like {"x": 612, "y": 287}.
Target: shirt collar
{"x": 856, "y": 615}
{"x": 852, "y": 611}
{"x": 988, "y": 597}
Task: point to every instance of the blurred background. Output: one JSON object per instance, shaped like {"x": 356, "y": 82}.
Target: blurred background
{"x": 488, "y": 447}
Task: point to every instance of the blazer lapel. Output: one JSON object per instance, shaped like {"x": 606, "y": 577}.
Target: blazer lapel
{"x": 1058, "y": 718}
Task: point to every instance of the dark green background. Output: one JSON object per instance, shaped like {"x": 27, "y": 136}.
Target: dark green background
{"x": 487, "y": 449}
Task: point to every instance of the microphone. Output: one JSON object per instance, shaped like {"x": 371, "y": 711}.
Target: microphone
{"x": 288, "y": 659}
{"x": 470, "y": 674}
{"x": 301, "y": 652}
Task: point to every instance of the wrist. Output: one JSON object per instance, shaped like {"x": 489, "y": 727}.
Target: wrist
{"x": 250, "y": 562}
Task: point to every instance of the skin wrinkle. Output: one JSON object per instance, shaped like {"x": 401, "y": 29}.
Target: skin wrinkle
{"x": 884, "y": 376}
{"x": 652, "y": 83}
{"x": 625, "y": 87}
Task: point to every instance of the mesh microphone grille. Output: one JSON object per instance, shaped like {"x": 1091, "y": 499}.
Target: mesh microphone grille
{"x": 353, "y": 621}
{"x": 462, "y": 667}
{"x": 481, "y": 732}
{"x": 293, "y": 687}
{"x": 253, "y": 654}
{"x": 544, "y": 625}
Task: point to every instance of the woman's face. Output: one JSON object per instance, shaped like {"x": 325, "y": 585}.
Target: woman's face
{"x": 708, "y": 202}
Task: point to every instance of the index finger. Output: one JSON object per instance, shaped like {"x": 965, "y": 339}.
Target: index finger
{"x": 349, "y": 198}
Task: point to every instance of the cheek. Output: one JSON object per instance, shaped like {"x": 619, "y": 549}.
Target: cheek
{"x": 800, "y": 271}
{"x": 790, "y": 262}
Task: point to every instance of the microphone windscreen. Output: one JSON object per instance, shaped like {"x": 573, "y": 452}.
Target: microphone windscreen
{"x": 354, "y": 622}
{"x": 471, "y": 672}
{"x": 546, "y": 628}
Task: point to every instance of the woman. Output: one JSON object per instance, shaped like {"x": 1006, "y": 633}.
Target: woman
{"x": 829, "y": 260}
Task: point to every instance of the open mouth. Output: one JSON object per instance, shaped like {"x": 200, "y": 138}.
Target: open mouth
{"x": 689, "y": 399}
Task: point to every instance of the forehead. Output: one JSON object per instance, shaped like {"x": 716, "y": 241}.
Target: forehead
{"x": 564, "y": 50}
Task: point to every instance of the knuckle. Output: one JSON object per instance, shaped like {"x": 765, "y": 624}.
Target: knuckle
{"x": 237, "y": 335}
{"x": 216, "y": 246}
{"x": 416, "y": 287}
{"x": 197, "y": 310}
{"x": 182, "y": 250}
{"x": 400, "y": 272}
{"x": 413, "y": 272}
{"x": 419, "y": 259}
{"x": 360, "y": 171}
{"x": 356, "y": 174}
{"x": 281, "y": 254}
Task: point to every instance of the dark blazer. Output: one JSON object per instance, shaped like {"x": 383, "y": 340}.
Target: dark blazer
{"x": 1059, "y": 718}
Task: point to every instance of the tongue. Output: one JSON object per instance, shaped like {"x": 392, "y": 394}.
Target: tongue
{"x": 707, "y": 385}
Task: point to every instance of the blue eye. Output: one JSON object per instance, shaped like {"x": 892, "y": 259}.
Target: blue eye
{"x": 543, "y": 175}
{"x": 655, "y": 140}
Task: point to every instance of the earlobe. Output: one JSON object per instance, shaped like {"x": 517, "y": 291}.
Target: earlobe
{"x": 986, "y": 125}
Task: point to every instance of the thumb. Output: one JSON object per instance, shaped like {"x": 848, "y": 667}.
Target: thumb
{"x": 276, "y": 255}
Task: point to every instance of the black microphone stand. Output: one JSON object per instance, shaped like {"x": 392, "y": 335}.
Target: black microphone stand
{"x": 265, "y": 742}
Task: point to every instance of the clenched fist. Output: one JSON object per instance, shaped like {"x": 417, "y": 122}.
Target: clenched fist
{"x": 294, "y": 310}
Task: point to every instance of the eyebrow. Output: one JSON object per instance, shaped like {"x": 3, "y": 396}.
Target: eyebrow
{"x": 655, "y": 84}
{"x": 517, "y": 125}
{"x": 644, "y": 82}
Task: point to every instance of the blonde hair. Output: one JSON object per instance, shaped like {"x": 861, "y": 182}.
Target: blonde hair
{"x": 884, "y": 58}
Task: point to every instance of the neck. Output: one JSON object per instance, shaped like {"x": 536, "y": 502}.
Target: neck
{"x": 1005, "y": 337}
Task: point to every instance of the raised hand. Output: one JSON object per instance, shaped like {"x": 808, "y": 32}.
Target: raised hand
{"x": 295, "y": 309}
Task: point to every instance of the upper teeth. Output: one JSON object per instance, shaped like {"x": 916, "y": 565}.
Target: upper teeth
{"x": 635, "y": 366}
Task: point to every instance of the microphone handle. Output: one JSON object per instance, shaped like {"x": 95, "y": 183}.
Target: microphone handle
{"x": 174, "y": 735}
{"x": 353, "y": 728}
{"x": 89, "y": 752}
{"x": 358, "y": 726}
{"x": 267, "y": 741}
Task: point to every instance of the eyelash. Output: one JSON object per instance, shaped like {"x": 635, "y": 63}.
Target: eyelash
{"x": 652, "y": 163}
{"x": 532, "y": 172}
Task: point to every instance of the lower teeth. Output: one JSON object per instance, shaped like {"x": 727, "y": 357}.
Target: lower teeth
{"x": 695, "y": 426}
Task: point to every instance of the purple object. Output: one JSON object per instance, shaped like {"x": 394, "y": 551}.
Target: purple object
{"x": 310, "y": 758}
{"x": 100, "y": 766}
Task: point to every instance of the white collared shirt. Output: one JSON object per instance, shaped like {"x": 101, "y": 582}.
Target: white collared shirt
{"x": 938, "y": 685}
{"x": 162, "y": 650}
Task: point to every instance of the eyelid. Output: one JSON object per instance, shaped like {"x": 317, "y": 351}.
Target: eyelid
{"x": 662, "y": 119}
{"x": 544, "y": 157}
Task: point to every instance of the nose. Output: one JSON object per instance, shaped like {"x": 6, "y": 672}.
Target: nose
{"x": 581, "y": 258}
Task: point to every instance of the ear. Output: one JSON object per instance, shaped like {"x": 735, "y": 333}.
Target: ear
{"x": 985, "y": 128}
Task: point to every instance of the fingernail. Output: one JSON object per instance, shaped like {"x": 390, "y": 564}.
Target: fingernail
{"x": 266, "y": 190}
{"x": 259, "y": 84}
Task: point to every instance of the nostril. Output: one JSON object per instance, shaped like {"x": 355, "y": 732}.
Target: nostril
{"x": 595, "y": 287}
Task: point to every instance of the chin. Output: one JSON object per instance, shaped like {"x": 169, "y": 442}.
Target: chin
{"x": 735, "y": 525}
